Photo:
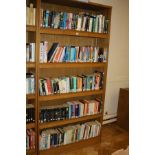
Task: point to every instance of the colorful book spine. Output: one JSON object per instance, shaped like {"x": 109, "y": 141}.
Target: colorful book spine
{"x": 68, "y": 134}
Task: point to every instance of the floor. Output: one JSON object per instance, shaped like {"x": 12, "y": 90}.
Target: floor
{"x": 113, "y": 138}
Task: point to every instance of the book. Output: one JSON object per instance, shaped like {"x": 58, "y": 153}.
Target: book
{"x": 51, "y": 51}
{"x": 67, "y": 84}
{"x": 56, "y": 137}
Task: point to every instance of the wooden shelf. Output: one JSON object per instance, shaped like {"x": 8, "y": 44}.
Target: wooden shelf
{"x": 31, "y": 152}
{"x": 30, "y": 28}
{"x": 30, "y": 125}
{"x": 30, "y": 96}
{"x": 30, "y": 64}
{"x": 71, "y": 65}
{"x": 69, "y": 95}
{"x": 68, "y": 121}
{"x": 72, "y": 146}
{"x": 73, "y": 33}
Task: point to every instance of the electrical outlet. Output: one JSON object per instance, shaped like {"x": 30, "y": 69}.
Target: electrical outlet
{"x": 106, "y": 113}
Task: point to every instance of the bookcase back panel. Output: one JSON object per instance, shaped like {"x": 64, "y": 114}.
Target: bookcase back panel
{"x": 73, "y": 9}
{"x": 31, "y": 1}
{"x": 30, "y": 101}
{"x": 74, "y": 40}
{"x": 54, "y": 73}
{"x": 30, "y": 37}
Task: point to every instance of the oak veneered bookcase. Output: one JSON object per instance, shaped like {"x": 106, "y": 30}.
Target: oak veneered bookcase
{"x": 65, "y": 37}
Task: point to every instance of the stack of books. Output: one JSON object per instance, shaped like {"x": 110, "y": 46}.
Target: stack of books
{"x": 30, "y": 52}
{"x": 30, "y": 113}
{"x": 72, "y": 109}
{"x": 30, "y": 83}
{"x": 59, "y": 53}
{"x": 69, "y": 84}
{"x": 30, "y": 139}
{"x": 68, "y": 134}
{"x": 30, "y": 15}
{"x": 76, "y": 21}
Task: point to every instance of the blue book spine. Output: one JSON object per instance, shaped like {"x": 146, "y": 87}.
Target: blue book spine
{"x": 46, "y": 19}
{"x": 64, "y": 20}
{"x": 72, "y": 56}
{"x": 67, "y": 55}
{"x": 74, "y": 83}
{"x": 87, "y": 54}
{"x": 71, "y": 111}
{"x": 75, "y": 54}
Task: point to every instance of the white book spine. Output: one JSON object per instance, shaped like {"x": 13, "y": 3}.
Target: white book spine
{"x": 79, "y": 23}
{"x": 45, "y": 51}
{"x": 34, "y": 16}
{"x": 84, "y": 23}
{"x": 32, "y": 85}
{"x": 41, "y": 52}
{"x": 27, "y": 53}
{"x": 33, "y": 52}
{"x": 27, "y": 16}
{"x": 105, "y": 55}
{"x": 96, "y": 24}
{"x": 103, "y": 19}
{"x": 90, "y": 24}
{"x": 100, "y": 24}
{"x": 31, "y": 14}
{"x": 62, "y": 55}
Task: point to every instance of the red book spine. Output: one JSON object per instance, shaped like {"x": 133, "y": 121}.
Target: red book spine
{"x": 48, "y": 86}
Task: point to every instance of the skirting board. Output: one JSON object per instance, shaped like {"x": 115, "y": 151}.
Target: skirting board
{"x": 109, "y": 121}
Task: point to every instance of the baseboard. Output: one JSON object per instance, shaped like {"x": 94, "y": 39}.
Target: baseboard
{"x": 109, "y": 121}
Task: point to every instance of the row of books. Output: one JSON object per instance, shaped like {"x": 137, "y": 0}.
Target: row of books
{"x": 30, "y": 139}
{"x": 30, "y": 83}
{"x": 69, "y": 84}
{"x": 30, "y": 15}
{"x": 72, "y": 109}
{"x": 30, "y": 52}
{"x": 68, "y": 134}
{"x": 76, "y": 21}
{"x": 59, "y": 53}
{"x": 30, "y": 113}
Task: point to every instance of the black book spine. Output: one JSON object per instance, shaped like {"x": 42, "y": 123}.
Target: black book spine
{"x": 33, "y": 115}
{"x": 67, "y": 112}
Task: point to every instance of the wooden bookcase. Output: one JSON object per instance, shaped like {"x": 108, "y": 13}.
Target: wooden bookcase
{"x": 65, "y": 37}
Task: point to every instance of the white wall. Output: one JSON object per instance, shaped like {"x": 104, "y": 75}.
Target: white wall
{"x": 118, "y": 67}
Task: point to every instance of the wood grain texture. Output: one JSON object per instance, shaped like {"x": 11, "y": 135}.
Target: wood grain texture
{"x": 70, "y": 95}
{"x": 30, "y": 28}
{"x": 71, "y": 65}
{"x": 68, "y": 121}
{"x": 65, "y": 37}
{"x": 30, "y": 64}
{"x": 30, "y": 96}
{"x": 123, "y": 109}
{"x": 30, "y": 125}
{"x": 73, "y": 33}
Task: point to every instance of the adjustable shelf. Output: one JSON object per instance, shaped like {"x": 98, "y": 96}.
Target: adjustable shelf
{"x": 30, "y": 64}
{"x": 30, "y": 96}
{"x": 70, "y": 95}
{"x": 68, "y": 121}
{"x": 30, "y": 28}
{"x": 72, "y": 65}
{"x": 30, "y": 125}
{"x": 73, "y": 33}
